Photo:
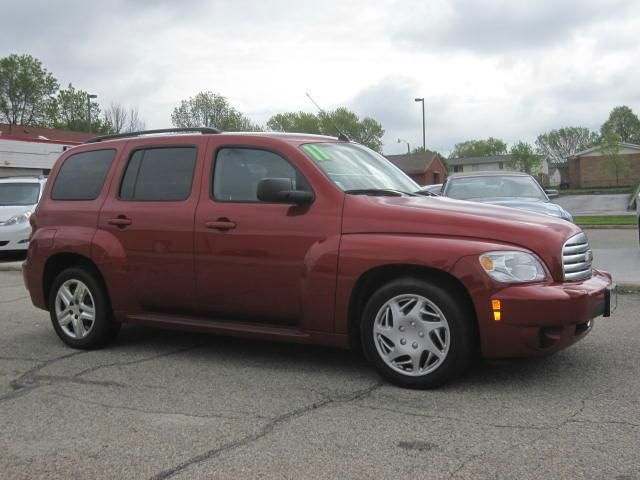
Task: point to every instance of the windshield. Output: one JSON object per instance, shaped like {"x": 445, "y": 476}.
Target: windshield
{"x": 507, "y": 186}
{"x": 354, "y": 167}
{"x": 19, "y": 193}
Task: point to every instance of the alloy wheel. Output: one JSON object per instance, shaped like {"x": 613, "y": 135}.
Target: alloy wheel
{"x": 75, "y": 309}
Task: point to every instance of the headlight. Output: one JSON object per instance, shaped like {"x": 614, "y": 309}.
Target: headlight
{"x": 512, "y": 267}
{"x": 22, "y": 218}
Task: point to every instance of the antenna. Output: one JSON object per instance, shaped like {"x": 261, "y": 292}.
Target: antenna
{"x": 341, "y": 136}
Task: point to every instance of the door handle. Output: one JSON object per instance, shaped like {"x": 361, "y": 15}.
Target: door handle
{"x": 121, "y": 221}
{"x": 221, "y": 224}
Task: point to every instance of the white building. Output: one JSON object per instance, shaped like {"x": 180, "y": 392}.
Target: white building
{"x": 487, "y": 164}
{"x": 29, "y": 156}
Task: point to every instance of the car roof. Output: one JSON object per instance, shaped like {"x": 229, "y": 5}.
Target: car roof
{"x": 497, "y": 173}
{"x": 293, "y": 138}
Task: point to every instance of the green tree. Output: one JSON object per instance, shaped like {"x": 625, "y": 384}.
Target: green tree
{"x": 524, "y": 158}
{"x": 301, "y": 122}
{"x": 479, "y": 148}
{"x": 624, "y": 123}
{"x": 25, "y": 90}
{"x": 69, "y": 111}
{"x": 617, "y": 164}
{"x": 558, "y": 145}
{"x": 366, "y": 131}
{"x": 208, "y": 109}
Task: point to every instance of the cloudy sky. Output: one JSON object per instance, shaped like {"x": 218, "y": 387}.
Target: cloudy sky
{"x": 510, "y": 69}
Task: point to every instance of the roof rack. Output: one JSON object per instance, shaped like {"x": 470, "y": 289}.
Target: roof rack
{"x": 203, "y": 130}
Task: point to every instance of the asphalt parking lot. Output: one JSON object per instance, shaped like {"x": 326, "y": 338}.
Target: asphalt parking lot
{"x": 161, "y": 404}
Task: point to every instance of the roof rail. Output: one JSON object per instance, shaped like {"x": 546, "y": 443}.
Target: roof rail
{"x": 203, "y": 130}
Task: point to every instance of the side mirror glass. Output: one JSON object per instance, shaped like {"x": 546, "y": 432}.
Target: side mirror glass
{"x": 280, "y": 190}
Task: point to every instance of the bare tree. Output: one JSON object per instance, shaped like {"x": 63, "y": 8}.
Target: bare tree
{"x": 123, "y": 121}
{"x": 116, "y": 116}
{"x": 134, "y": 122}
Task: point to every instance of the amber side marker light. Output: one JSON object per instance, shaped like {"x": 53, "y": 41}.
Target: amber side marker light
{"x": 495, "y": 306}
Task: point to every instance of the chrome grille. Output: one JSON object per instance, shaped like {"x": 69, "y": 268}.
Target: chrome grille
{"x": 576, "y": 258}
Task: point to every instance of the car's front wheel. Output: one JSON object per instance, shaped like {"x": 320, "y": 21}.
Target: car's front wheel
{"x": 417, "y": 334}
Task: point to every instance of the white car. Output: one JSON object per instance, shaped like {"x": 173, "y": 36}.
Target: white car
{"x": 19, "y": 197}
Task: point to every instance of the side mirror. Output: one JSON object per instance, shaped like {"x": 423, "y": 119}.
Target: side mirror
{"x": 551, "y": 193}
{"x": 280, "y": 190}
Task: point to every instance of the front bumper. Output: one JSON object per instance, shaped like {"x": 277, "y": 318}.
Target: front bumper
{"x": 538, "y": 319}
{"x": 15, "y": 237}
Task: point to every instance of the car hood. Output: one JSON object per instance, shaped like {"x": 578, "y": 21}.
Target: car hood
{"x": 8, "y": 211}
{"x": 532, "y": 205}
{"x": 441, "y": 216}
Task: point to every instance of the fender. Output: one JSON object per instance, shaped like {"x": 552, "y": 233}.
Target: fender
{"x": 360, "y": 253}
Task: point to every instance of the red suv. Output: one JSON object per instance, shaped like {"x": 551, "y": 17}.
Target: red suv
{"x": 301, "y": 238}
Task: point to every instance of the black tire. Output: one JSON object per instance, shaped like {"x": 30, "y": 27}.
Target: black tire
{"x": 104, "y": 328}
{"x": 462, "y": 337}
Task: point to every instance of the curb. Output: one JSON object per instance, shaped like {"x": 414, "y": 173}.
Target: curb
{"x": 11, "y": 266}
{"x": 628, "y": 287}
{"x": 607, "y": 227}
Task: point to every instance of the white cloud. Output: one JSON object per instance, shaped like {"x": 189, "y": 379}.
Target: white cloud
{"x": 492, "y": 68}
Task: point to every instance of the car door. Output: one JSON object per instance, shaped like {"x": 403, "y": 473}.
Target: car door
{"x": 265, "y": 262}
{"x": 149, "y": 213}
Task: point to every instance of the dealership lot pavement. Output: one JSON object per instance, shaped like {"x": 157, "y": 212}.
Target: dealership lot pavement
{"x": 162, "y": 404}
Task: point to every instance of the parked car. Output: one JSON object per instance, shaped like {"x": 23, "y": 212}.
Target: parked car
{"x": 18, "y": 199}
{"x": 307, "y": 239}
{"x": 435, "y": 189}
{"x": 507, "y": 189}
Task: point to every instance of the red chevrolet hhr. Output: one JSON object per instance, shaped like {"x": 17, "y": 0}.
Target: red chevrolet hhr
{"x": 301, "y": 238}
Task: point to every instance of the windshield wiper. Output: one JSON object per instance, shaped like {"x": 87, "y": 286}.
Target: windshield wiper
{"x": 383, "y": 192}
{"x": 426, "y": 193}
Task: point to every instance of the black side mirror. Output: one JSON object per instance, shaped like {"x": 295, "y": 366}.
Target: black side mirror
{"x": 280, "y": 190}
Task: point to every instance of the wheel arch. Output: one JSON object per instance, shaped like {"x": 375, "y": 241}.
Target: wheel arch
{"x": 376, "y": 277}
{"x": 60, "y": 262}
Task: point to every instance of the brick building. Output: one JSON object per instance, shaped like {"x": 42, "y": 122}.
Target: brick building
{"x": 590, "y": 168}
{"x": 424, "y": 168}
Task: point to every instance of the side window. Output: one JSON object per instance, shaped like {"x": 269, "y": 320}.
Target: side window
{"x": 238, "y": 171}
{"x": 82, "y": 175}
{"x": 159, "y": 174}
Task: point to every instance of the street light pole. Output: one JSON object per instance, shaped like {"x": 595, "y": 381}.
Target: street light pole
{"x": 89, "y": 97}
{"x": 424, "y": 131}
{"x": 408, "y": 146}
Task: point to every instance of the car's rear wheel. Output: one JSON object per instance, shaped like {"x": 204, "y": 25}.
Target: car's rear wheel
{"x": 417, "y": 334}
{"x": 80, "y": 310}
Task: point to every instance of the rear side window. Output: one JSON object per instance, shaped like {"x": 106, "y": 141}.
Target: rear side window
{"x": 82, "y": 175}
{"x": 159, "y": 174}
